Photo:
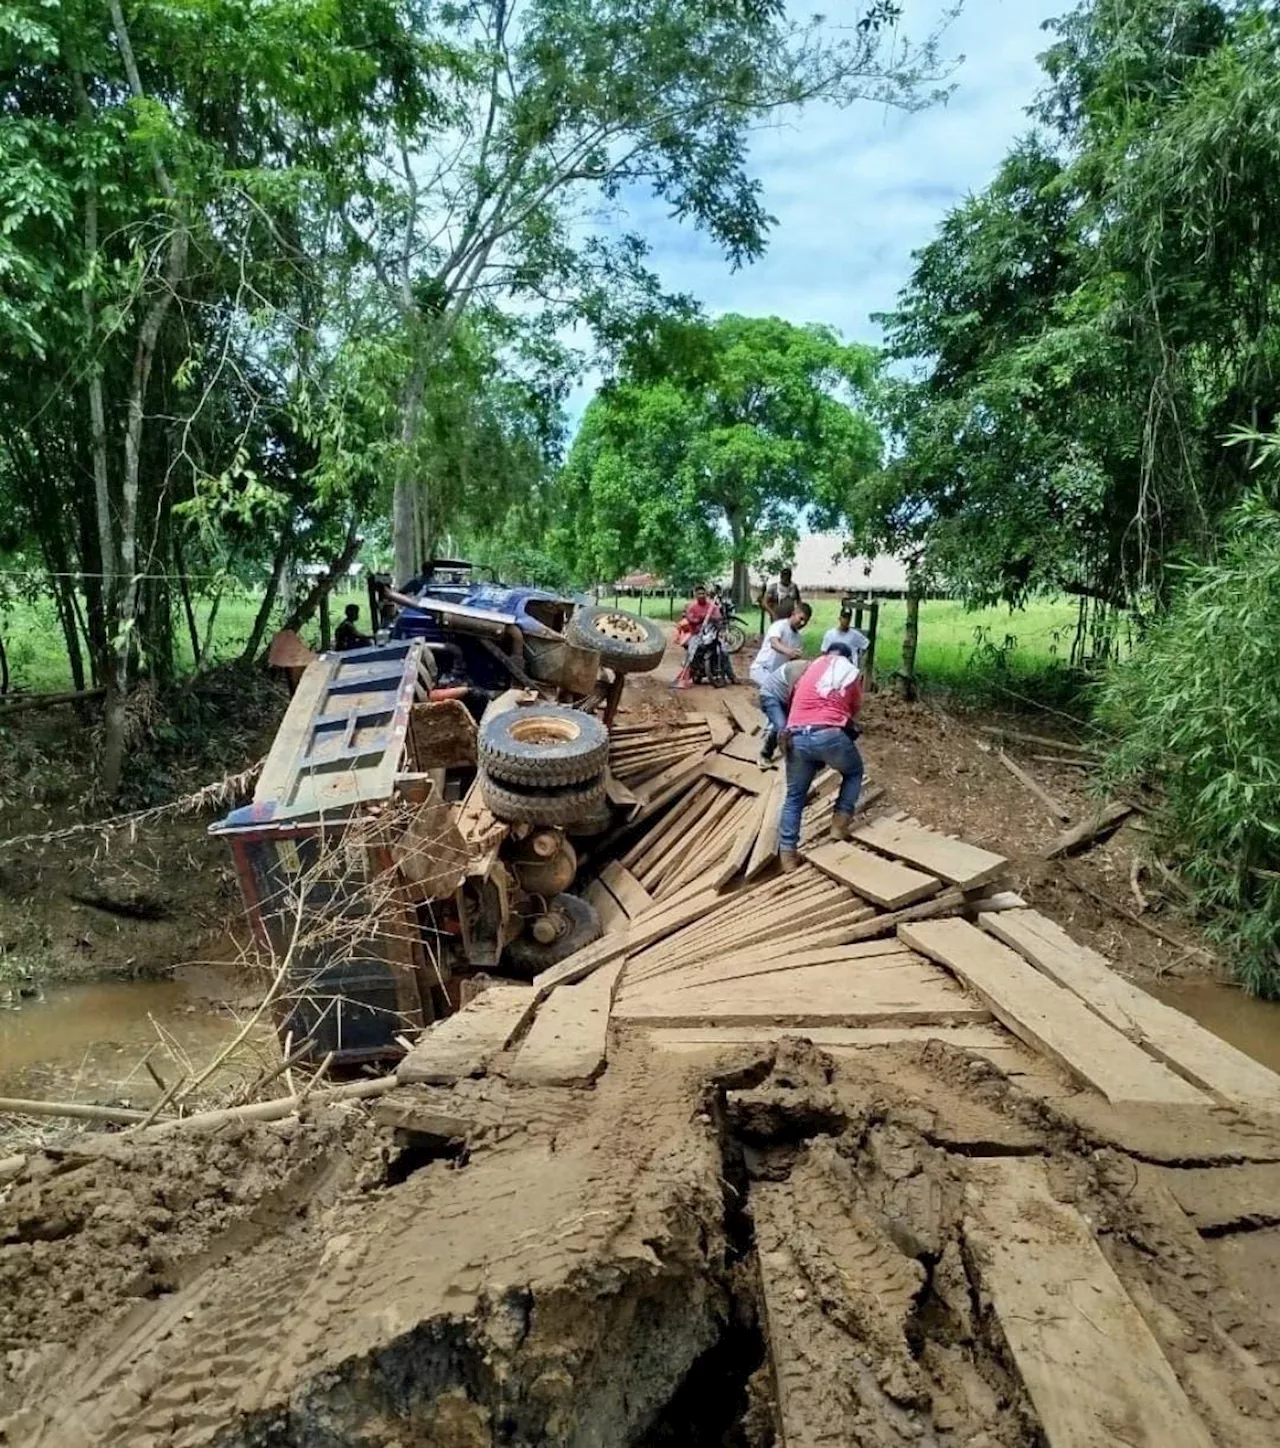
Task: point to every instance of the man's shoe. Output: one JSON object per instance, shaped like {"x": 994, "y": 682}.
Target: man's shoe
{"x": 789, "y": 860}
{"x": 767, "y": 761}
{"x": 841, "y": 824}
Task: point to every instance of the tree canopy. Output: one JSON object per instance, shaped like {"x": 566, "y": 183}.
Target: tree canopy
{"x": 715, "y": 440}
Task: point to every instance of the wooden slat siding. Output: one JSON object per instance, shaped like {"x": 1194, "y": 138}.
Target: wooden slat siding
{"x": 908, "y": 993}
{"x": 745, "y": 711}
{"x": 612, "y": 915}
{"x": 1194, "y": 1053}
{"x": 628, "y": 891}
{"x": 733, "y": 771}
{"x": 1049, "y": 1019}
{"x": 951, "y": 860}
{"x": 464, "y": 1043}
{"x": 1094, "y": 1372}
{"x": 884, "y": 882}
{"x": 567, "y": 1043}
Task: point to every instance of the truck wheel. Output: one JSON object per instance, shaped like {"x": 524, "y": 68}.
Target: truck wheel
{"x": 543, "y": 744}
{"x": 520, "y": 806}
{"x": 574, "y": 922}
{"x": 626, "y": 642}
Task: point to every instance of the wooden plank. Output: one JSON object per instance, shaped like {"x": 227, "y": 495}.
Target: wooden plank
{"x": 982, "y": 1040}
{"x": 617, "y": 793}
{"x": 1202, "y": 1058}
{"x": 744, "y": 747}
{"x": 1049, "y": 1019}
{"x": 628, "y": 891}
{"x": 655, "y": 792}
{"x": 1092, "y": 1368}
{"x": 464, "y": 1043}
{"x": 746, "y": 713}
{"x": 883, "y": 882}
{"x": 734, "y": 771}
{"x": 765, "y": 849}
{"x": 1089, "y": 831}
{"x": 647, "y": 847}
{"x": 768, "y": 960}
{"x": 951, "y": 860}
{"x": 1056, "y": 808}
{"x": 1225, "y": 1198}
{"x": 567, "y": 1042}
{"x": 721, "y": 729}
{"x": 910, "y": 992}
{"x": 736, "y": 861}
{"x": 612, "y": 915}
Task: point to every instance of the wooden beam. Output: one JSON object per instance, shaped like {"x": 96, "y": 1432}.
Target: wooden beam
{"x": 951, "y": 860}
{"x": 1056, "y": 808}
{"x": 884, "y": 882}
{"x": 1089, "y": 831}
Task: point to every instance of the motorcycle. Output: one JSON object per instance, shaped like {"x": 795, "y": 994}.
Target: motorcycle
{"x": 734, "y": 634}
{"x": 709, "y": 661}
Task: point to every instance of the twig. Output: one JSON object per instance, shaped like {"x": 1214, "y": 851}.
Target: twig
{"x": 319, "y": 1076}
{"x": 161, "y": 1102}
{"x": 1055, "y": 807}
{"x": 1134, "y": 919}
{"x": 256, "y": 1088}
{"x": 153, "y": 1073}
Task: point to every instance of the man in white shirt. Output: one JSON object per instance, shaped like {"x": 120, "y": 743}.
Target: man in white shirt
{"x": 844, "y": 633}
{"x": 779, "y": 646}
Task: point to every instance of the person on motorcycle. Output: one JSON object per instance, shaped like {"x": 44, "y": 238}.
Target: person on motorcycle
{"x": 700, "y": 608}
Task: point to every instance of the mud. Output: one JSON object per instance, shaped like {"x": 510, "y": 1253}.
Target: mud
{"x": 695, "y": 1251}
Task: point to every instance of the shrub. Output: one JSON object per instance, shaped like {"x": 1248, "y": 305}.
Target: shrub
{"x": 1197, "y": 709}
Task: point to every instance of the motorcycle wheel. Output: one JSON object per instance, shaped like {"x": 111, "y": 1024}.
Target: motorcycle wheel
{"x": 735, "y": 636}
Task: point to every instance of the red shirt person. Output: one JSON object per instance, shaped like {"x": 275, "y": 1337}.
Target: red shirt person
{"x": 820, "y": 730}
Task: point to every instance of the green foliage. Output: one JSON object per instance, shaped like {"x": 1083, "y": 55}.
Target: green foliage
{"x": 1088, "y": 330}
{"x": 714, "y": 434}
{"x": 1198, "y": 710}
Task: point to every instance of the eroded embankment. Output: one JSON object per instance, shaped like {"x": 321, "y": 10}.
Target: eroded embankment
{"x": 695, "y": 1252}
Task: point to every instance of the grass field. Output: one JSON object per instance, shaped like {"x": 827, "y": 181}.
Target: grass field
{"x": 959, "y": 650}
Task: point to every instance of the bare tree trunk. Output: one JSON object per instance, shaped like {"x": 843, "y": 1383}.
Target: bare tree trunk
{"x": 407, "y": 507}
{"x": 278, "y": 565}
{"x": 337, "y": 568}
{"x": 184, "y": 588}
{"x": 910, "y": 638}
{"x": 214, "y": 604}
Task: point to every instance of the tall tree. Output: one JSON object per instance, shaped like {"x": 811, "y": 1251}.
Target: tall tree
{"x": 731, "y": 430}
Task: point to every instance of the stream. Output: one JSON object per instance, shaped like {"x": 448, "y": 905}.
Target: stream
{"x": 87, "y": 1041}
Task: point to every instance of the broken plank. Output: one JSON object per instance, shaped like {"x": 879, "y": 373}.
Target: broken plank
{"x": 951, "y": 860}
{"x": 721, "y": 729}
{"x": 1094, "y": 1372}
{"x": 464, "y": 1043}
{"x": 627, "y": 890}
{"x": 1089, "y": 831}
{"x": 744, "y": 747}
{"x": 883, "y": 882}
{"x": 1225, "y": 1198}
{"x": 746, "y": 713}
{"x": 765, "y": 849}
{"x": 655, "y": 792}
{"x": 617, "y": 793}
{"x": 743, "y": 845}
{"x": 1049, "y": 1019}
{"x": 734, "y": 771}
{"x": 612, "y": 915}
{"x": 1056, "y": 808}
{"x": 566, "y": 1043}
{"x": 1202, "y": 1058}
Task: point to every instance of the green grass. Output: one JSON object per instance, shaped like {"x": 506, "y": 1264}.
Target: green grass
{"x": 990, "y": 651}
{"x": 38, "y": 660}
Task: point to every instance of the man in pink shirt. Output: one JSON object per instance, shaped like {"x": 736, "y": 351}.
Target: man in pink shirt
{"x": 821, "y": 730}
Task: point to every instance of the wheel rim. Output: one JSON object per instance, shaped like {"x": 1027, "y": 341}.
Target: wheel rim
{"x": 622, "y": 628}
{"x": 543, "y": 730}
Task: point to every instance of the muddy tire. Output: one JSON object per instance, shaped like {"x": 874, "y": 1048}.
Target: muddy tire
{"x": 526, "y": 956}
{"x": 545, "y": 744}
{"x": 626, "y": 642}
{"x": 521, "y": 806}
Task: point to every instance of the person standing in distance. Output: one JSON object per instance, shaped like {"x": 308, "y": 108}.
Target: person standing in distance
{"x": 821, "y": 730}
{"x": 780, "y": 598}
{"x": 780, "y": 645}
{"x": 844, "y": 633}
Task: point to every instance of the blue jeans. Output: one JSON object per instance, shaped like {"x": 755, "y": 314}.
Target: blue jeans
{"x": 775, "y": 711}
{"x": 810, "y": 750}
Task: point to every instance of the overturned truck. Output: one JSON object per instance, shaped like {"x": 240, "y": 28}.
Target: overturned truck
{"x": 394, "y": 846}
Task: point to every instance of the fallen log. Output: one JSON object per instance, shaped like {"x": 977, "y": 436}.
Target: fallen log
{"x": 1055, "y": 807}
{"x": 45, "y": 701}
{"x": 1089, "y": 831}
{"x": 75, "y": 1110}
{"x": 1044, "y": 739}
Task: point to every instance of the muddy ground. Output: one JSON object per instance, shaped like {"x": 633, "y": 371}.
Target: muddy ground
{"x": 679, "y": 1256}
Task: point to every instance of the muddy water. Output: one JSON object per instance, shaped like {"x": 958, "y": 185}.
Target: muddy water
{"x": 1251, "y": 1025}
{"x": 87, "y": 1042}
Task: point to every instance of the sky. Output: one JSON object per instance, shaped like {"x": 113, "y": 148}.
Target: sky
{"x": 855, "y": 192}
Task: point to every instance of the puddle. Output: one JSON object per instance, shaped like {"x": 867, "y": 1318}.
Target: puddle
{"x": 1251, "y": 1025}
{"x": 86, "y": 1042}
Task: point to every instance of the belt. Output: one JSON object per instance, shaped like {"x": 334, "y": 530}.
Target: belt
{"x": 815, "y": 728}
